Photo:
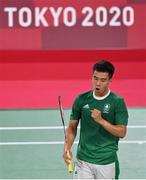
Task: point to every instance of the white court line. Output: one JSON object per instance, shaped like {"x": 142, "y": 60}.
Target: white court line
{"x": 55, "y": 128}
{"x": 58, "y": 143}
{"x": 137, "y": 126}
{"x": 31, "y": 128}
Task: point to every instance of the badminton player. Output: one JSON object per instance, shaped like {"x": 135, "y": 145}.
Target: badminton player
{"x": 103, "y": 118}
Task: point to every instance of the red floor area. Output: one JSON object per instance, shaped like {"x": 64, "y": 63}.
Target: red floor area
{"x": 43, "y": 94}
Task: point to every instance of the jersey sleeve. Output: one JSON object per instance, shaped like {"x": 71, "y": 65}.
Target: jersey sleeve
{"x": 121, "y": 113}
{"x": 76, "y": 110}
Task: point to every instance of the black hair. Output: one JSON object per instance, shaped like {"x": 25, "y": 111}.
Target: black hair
{"x": 104, "y": 66}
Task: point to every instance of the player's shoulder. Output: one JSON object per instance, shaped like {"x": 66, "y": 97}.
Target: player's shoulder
{"x": 116, "y": 96}
{"x": 83, "y": 98}
{"x": 86, "y": 94}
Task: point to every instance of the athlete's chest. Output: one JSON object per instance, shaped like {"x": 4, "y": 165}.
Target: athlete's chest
{"x": 106, "y": 107}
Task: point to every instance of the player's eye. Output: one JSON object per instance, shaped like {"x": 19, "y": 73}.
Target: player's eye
{"x": 103, "y": 80}
{"x": 95, "y": 78}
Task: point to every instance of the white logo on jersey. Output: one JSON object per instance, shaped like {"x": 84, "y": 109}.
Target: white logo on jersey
{"x": 106, "y": 108}
{"x": 86, "y": 106}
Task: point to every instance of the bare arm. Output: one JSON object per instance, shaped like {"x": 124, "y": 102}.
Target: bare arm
{"x": 71, "y": 134}
{"x": 116, "y": 130}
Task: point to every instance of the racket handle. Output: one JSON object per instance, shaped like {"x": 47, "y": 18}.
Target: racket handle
{"x": 70, "y": 167}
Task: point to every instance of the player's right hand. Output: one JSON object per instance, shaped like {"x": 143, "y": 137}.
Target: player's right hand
{"x": 67, "y": 156}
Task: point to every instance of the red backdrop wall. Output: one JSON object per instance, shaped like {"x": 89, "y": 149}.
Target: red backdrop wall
{"x": 34, "y": 79}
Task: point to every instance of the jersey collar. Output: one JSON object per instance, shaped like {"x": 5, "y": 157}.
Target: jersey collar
{"x": 101, "y": 98}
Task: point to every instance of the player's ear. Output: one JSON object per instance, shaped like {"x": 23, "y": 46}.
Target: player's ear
{"x": 111, "y": 79}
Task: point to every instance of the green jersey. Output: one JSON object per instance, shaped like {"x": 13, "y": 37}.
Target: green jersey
{"x": 96, "y": 145}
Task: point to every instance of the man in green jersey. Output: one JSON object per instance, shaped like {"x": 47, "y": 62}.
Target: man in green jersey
{"x": 103, "y": 119}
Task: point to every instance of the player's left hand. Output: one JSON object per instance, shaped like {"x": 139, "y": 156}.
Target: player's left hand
{"x": 96, "y": 115}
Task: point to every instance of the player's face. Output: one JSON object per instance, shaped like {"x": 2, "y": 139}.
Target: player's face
{"x": 100, "y": 81}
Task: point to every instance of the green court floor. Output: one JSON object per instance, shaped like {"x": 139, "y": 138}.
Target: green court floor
{"x": 31, "y": 145}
